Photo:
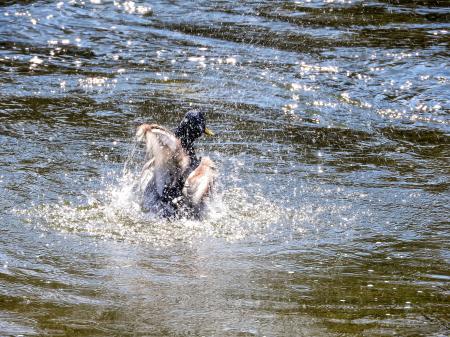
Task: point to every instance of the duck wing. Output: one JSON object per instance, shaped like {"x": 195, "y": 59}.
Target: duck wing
{"x": 167, "y": 165}
{"x": 199, "y": 183}
{"x": 157, "y": 138}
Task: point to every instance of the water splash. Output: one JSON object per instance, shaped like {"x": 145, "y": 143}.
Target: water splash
{"x": 237, "y": 211}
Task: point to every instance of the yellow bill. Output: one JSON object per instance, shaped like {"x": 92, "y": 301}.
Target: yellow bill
{"x": 208, "y": 132}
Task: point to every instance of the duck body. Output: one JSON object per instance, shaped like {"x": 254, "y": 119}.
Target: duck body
{"x": 174, "y": 182}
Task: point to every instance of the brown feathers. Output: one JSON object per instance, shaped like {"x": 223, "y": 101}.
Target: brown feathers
{"x": 199, "y": 183}
{"x": 172, "y": 181}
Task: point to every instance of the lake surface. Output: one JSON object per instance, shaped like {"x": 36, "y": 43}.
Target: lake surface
{"x": 331, "y": 216}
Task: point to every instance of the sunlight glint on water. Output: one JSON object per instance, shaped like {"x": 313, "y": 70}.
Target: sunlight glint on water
{"x": 332, "y": 133}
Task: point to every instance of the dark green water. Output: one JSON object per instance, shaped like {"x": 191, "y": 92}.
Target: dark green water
{"x": 332, "y": 212}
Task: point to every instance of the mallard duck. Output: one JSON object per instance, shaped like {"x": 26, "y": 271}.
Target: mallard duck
{"x": 174, "y": 181}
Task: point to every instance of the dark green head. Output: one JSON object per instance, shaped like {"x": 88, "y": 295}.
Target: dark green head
{"x": 192, "y": 127}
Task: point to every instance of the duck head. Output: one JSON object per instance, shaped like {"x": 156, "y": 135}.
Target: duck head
{"x": 192, "y": 127}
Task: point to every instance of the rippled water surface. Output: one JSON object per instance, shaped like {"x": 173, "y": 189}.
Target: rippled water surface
{"x": 332, "y": 142}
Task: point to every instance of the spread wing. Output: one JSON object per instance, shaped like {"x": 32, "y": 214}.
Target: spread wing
{"x": 157, "y": 137}
{"x": 168, "y": 160}
{"x": 199, "y": 184}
